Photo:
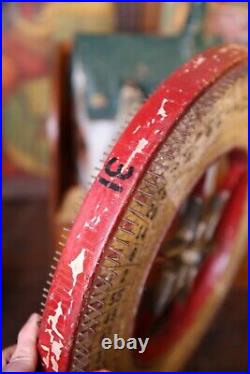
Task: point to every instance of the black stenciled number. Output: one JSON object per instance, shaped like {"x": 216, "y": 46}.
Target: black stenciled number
{"x": 115, "y": 173}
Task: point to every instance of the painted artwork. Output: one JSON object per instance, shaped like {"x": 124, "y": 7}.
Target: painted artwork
{"x": 31, "y": 33}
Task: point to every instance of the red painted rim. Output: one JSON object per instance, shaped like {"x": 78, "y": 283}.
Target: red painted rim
{"x": 103, "y": 205}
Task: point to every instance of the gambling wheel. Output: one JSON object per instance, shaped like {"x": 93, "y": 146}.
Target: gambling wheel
{"x": 162, "y": 229}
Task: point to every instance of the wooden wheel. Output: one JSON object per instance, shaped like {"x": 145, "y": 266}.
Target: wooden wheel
{"x": 175, "y": 182}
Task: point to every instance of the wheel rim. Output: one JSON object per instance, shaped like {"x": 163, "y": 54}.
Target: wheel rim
{"x": 97, "y": 252}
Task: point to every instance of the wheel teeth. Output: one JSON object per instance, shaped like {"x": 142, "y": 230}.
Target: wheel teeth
{"x": 112, "y": 260}
{"x": 129, "y": 221}
{"x": 108, "y": 292}
{"x": 83, "y": 350}
{"x": 94, "y": 300}
{"x": 119, "y": 253}
{"x": 122, "y": 241}
{"x": 146, "y": 194}
{"x": 79, "y": 353}
{"x": 56, "y": 258}
{"x": 148, "y": 182}
{"x": 126, "y": 231}
{"x": 49, "y": 281}
{"x": 85, "y": 328}
{"x": 78, "y": 362}
{"x": 141, "y": 203}
{"x": 138, "y": 214}
{"x": 120, "y": 266}
{"x": 154, "y": 174}
{"x": 102, "y": 278}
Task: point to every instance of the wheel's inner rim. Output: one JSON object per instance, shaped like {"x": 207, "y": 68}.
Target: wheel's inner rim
{"x": 187, "y": 247}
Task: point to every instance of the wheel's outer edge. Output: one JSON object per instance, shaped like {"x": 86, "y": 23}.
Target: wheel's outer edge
{"x": 102, "y": 207}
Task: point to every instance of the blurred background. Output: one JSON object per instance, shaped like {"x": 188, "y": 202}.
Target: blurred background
{"x": 49, "y": 132}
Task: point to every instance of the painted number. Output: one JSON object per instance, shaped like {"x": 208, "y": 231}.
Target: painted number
{"x": 112, "y": 172}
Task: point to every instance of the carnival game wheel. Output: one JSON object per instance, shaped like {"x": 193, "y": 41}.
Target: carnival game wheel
{"x": 162, "y": 230}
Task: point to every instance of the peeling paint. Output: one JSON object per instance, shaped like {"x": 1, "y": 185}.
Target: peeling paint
{"x": 76, "y": 266}
{"x": 93, "y": 222}
{"x": 140, "y": 146}
{"x": 135, "y": 130}
{"x": 198, "y": 61}
{"x": 54, "y": 319}
{"x": 71, "y": 302}
{"x": 162, "y": 112}
{"x": 57, "y": 348}
{"x": 46, "y": 358}
{"x": 54, "y": 364}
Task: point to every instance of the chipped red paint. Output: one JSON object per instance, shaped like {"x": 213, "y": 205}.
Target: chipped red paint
{"x": 145, "y": 133}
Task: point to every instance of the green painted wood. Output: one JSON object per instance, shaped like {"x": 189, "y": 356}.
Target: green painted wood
{"x": 106, "y": 62}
